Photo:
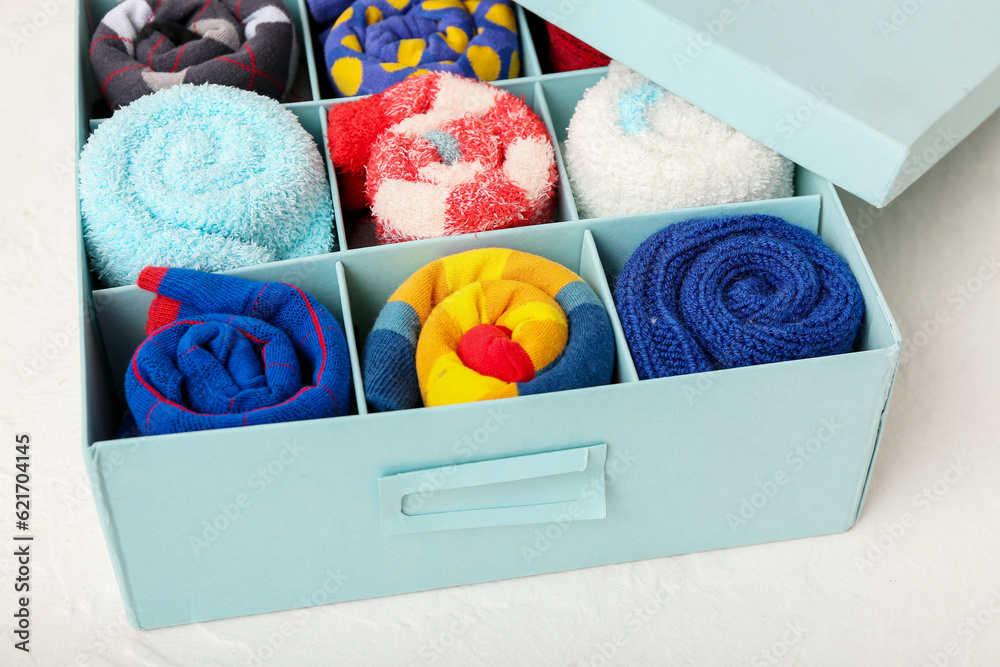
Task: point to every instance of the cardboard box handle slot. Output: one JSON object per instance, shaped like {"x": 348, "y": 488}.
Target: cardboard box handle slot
{"x": 534, "y": 488}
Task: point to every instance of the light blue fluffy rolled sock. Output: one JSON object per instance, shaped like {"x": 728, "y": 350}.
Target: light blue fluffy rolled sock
{"x": 201, "y": 177}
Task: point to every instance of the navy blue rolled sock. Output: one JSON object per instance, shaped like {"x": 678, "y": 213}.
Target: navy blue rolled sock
{"x": 708, "y": 294}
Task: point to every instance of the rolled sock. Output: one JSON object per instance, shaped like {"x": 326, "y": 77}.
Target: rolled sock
{"x": 439, "y": 154}
{"x": 567, "y": 53}
{"x": 142, "y": 46}
{"x": 375, "y": 44}
{"x": 224, "y": 351}
{"x": 484, "y": 324}
{"x": 633, "y": 147}
{"x": 709, "y": 294}
{"x": 201, "y": 177}
{"x": 325, "y": 12}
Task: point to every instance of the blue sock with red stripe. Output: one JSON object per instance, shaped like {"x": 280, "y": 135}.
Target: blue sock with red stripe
{"x": 224, "y": 351}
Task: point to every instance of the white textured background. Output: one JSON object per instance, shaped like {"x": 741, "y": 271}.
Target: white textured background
{"x": 934, "y": 586}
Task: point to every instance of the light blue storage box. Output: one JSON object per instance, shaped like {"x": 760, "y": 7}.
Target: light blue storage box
{"x": 241, "y": 521}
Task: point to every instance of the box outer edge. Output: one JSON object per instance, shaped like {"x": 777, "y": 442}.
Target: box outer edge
{"x": 894, "y": 354}
{"x": 968, "y": 115}
{"x": 88, "y": 322}
{"x": 893, "y": 351}
{"x": 110, "y": 530}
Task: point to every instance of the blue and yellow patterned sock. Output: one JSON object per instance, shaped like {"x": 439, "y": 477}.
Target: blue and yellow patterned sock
{"x": 374, "y": 44}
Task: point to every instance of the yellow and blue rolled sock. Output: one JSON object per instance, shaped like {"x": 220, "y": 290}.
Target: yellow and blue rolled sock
{"x": 485, "y": 324}
{"x": 325, "y": 12}
{"x": 377, "y": 43}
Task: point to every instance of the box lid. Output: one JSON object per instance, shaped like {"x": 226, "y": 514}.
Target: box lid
{"x": 867, "y": 93}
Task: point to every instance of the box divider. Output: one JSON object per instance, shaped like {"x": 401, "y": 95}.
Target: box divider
{"x": 530, "y": 65}
{"x": 592, "y": 270}
{"x": 566, "y": 204}
{"x": 338, "y": 209}
{"x": 305, "y": 35}
{"x": 352, "y": 344}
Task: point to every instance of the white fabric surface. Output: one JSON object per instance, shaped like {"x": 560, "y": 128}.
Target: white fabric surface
{"x": 633, "y": 147}
{"x": 725, "y": 608}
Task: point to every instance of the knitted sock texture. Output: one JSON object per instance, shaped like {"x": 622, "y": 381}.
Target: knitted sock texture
{"x": 439, "y": 154}
{"x": 236, "y": 353}
{"x": 719, "y": 293}
{"x": 325, "y": 12}
{"x": 567, "y": 53}
{"x": 633, "y": 147}
{"x": 375, "y": 44}
{"x": 484, "y": 324}
{"x": 201, "y": 177}
{"x": 142, "y": 46}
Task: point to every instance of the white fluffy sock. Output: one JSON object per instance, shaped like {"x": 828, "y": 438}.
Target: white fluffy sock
{"x": 633, "y": 147}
